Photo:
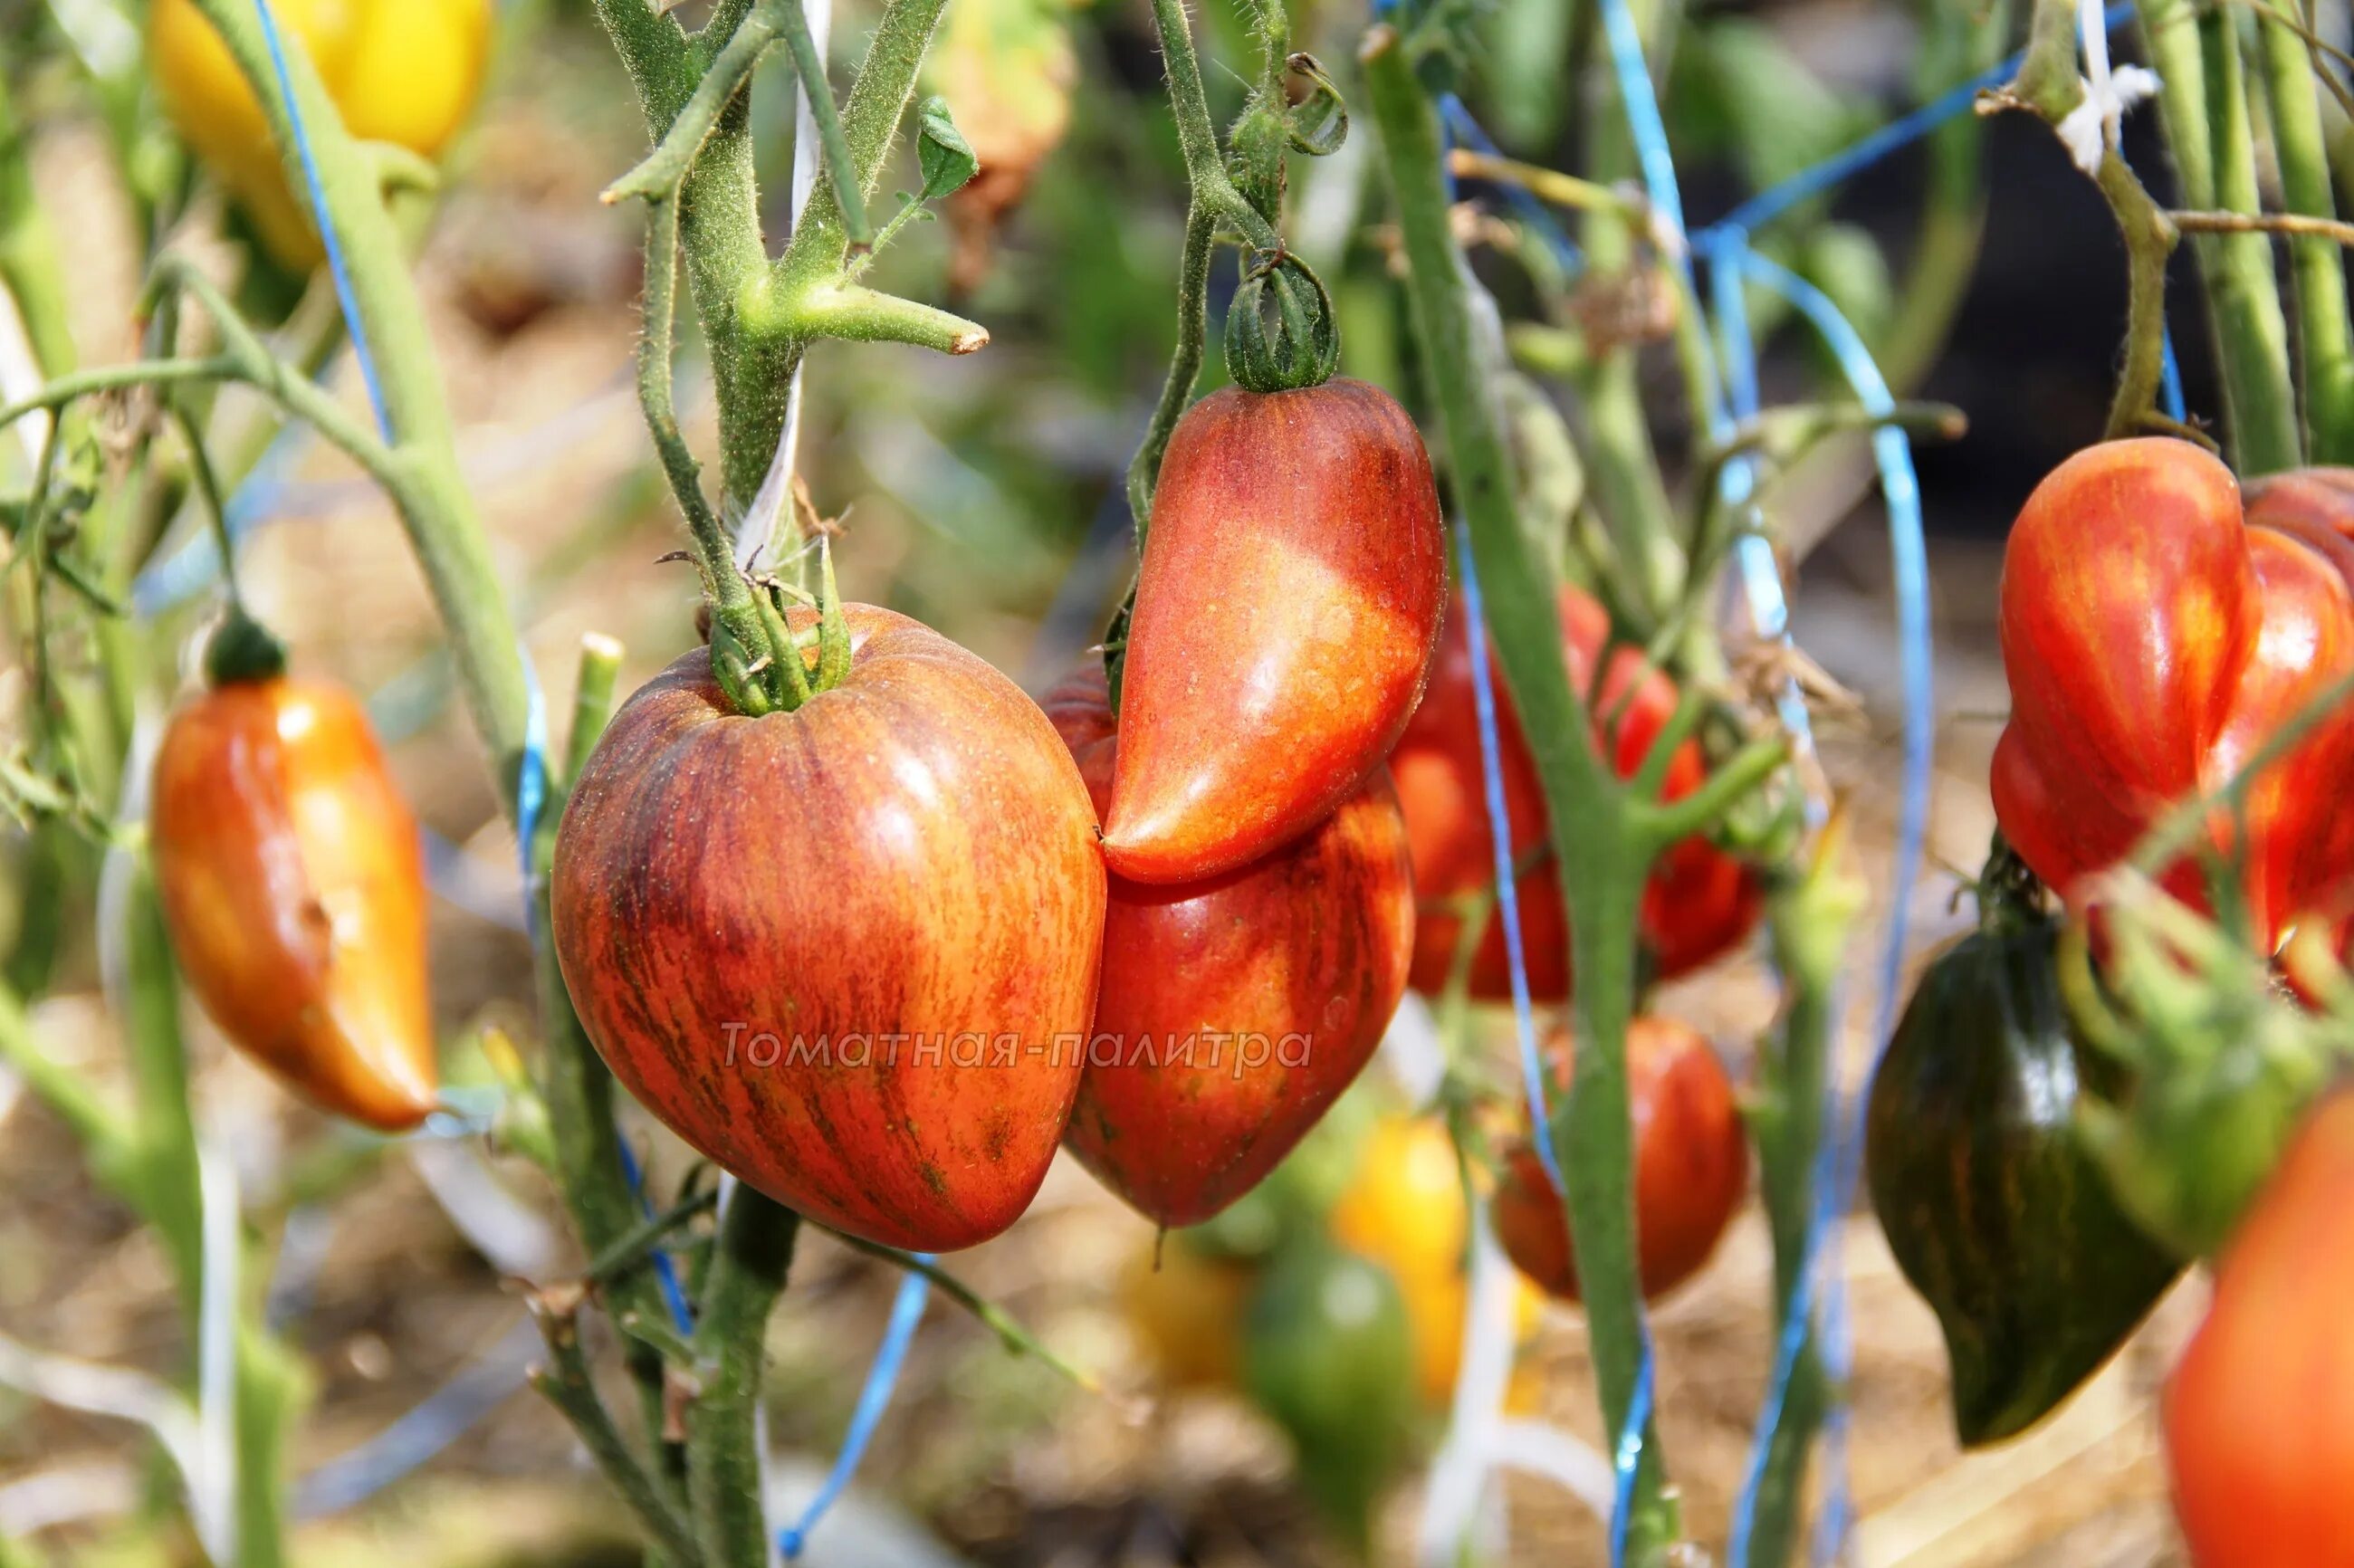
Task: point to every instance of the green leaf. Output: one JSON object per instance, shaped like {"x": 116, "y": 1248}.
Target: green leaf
{"x": 945, "y": 156}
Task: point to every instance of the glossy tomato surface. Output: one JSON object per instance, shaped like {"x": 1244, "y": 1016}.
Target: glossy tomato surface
{"x": 293, "y": 885}
{"x": 1692, "y": 1165}
{"x": 1698, "y": 902}
{"x": 848, "y": 952}
{"x": 1285, "y": 617}
{"x": 2259, "y": 1415}
{"x": 2155, "y": 638}
{"x": 1232, "y": 1010}
{"x": 402, "y": 72}
{"x": 1994, "y": 1207}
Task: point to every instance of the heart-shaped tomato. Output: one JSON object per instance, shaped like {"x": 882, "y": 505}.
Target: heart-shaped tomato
{"x": 848, "y": 951}
{"x": 1285, "y": 617}
{"x": 1699, "y": 901}
{"x": 2156, "y": 638}
{"x": 1234, "y": 1010}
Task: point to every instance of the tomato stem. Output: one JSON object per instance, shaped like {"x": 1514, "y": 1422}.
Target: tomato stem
{"x": 725, "y": 1464}
{"x": 1603, "y": 865}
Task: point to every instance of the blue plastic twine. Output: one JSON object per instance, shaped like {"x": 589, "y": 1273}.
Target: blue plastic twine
{"x": 1499, "y": 835}
{"x": 1892, "y": 449}
{"x": 906, "y": 1313}
{"x": 334, "y": 248}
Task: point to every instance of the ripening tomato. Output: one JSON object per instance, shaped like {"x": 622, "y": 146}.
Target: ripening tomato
{"x": 1994, "y": 1209}
{"x": 1285, "y": 620}
{"x": 1692, "y": 1165}
{"x": 1698, "y": 902}
{"x": 293, "y": 887}
{"x": 1232, "y": 1010}
{"x": 2259, "y": 1413}
{"x": 401, "y": 71}
{"x": 1406, "y": 1210}
{"x": 2155, "y": 638}
{"x": 848, "y": 951}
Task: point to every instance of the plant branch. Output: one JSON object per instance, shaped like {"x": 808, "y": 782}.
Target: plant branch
{"x": 565, "y": 1383}
{"x": 1672, "y": 821}
{"x": 749, "y": 1264}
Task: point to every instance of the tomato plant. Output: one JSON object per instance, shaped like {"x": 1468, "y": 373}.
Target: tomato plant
{"x": 1232, "y": 1010}
{"x": 2156, "y": 637}
{"x": 849, "y": 950}
{"x": 2259, "y": 1413}
{"x": 1995, "y": 1210}
{"x": 1285, "y": 617}
{"x": 293, "y": 883}
{"x": 1698, "y": 902}
{"x": 404, "y": 73}
{"x": 1692, "y": 1165}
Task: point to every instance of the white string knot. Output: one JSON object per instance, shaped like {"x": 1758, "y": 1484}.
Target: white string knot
{"x": 2092, "y": 128}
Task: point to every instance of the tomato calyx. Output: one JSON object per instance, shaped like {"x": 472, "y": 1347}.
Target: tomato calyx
{"x": 242, "y": 649}
{"x": 1301, "y": 347}
{"x": 763, "y": 662}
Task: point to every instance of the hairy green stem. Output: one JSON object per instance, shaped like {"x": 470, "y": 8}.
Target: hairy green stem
{"x": 1602, "y": 866}
{"x": 749, "y": 1264}
{"x": 567, "y": 1383}
{"x": 1184, "y": 365}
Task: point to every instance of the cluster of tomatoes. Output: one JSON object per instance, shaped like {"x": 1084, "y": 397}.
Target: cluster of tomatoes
{"x": 2162, "y": 630}
{"x": 882, "y": 955}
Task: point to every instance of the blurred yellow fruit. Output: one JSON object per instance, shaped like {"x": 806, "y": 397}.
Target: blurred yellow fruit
{"x": 403, "y": 71}
{"x": 1405, "y": 1210}
{"x": 1189, "y": 1310}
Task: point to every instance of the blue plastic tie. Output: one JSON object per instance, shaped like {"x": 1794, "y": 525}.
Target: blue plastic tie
{"x": 1627, "y": 1458}
{"x": 2170, "y": 378}
{"x": 1499, "y": 835}
{"x": 1898, "y": 133}
{"x": 335, "y": 269}
{"x": 1900, "y": 485}
{"x": 906, "y": 1313}
{"x": 682, "y": 1317}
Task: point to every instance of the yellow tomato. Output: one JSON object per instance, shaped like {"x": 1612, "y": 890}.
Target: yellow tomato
{"x": 1188, "y": 1311}
{"x": 403, "y": 71}
{"x": 1405, "y": 1210}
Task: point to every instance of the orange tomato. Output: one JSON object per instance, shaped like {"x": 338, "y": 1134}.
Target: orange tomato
{"x": 293, "y": 885}
{"x": 1188, "y": 1307}
{"x": 2259, "y": 1413}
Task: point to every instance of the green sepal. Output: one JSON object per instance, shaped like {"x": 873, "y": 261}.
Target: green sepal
{"x": 242, "y": 649}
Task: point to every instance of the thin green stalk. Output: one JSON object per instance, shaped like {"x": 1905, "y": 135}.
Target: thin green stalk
{"x": 749, "y": 1264}
{"x": 567, "y": 1383}
{"x": 2325, "y": 332}
{"x": 1185, "y": 366}
{"x": 1811, "y": 923}
{"x": 28, "y": 255}
{"x": 435, "y": 506}
{"x": 1601, "y": 867}
{"x": 2259, "y": 396}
